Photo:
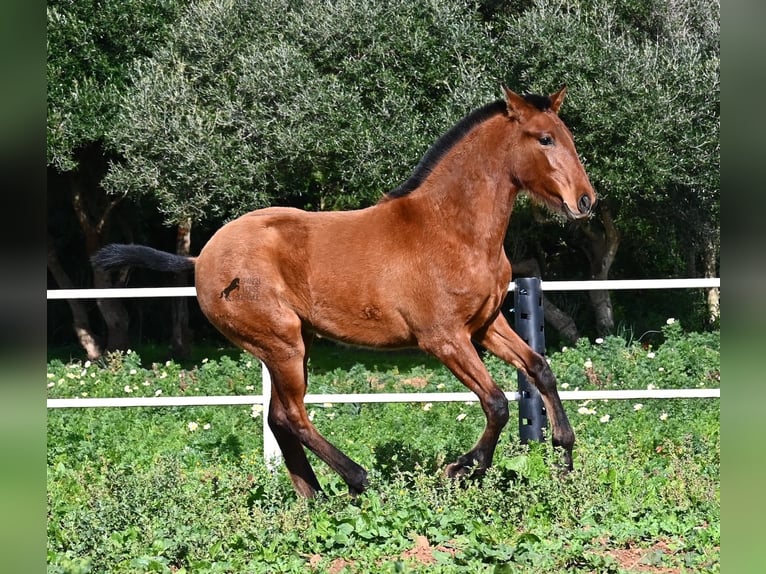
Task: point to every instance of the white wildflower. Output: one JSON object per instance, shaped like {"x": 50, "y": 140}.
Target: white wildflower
{"x": 312, "y": 414}
{"x": 604, "y": 419}
{"x": 204, "y": 360}
{"x": 193, "y": 426}
{"x": 638, "y": 407}
{"x": 564, "y": 349}
{"x": 440, "y": 386}
{"x": 168, "y": 363}
{"x": 650, "y": 387}
{"x": 460, "y": 417}
{"x": 87, "y": 364}
{"x": 163, "y": 375}
{"x": 158, "y": 392}
{"x": 661, "y": 369}
{"x": 51, "y": 376}
{"x": 588, "y": 364}
{"x": 564, "y": 385}
{"x": 256, "y": 411}
{"x": 249, "y": 364}
{"x": 133, "y": 371}
{"x": 586, "y": 411}
{"x": 599, "y": 341}
{"x": 83, "y": 394}
{"x": 664, "y": 416}
{"x": 127, "y": 389}
{"x": 670, "y": 321}
{"x": 146, "y": 383}
{"x": 249, "y": 387}
{"x": 327, "y": 405}
{"x": 427, "y": 406}
{"x": 331, "y": 415}
{"x": 650, "y": 355}
{"x": 206, "y": 426}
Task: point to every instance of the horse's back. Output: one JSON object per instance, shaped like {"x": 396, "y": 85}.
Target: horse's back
{"x": 329, "y": 269}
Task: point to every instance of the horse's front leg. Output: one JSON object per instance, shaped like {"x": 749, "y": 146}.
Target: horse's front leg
{"x": 459, "y": 355}
{"x": 503, "y": 342}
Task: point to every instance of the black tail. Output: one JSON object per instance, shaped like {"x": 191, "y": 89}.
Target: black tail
{"x": 118, "y": 255}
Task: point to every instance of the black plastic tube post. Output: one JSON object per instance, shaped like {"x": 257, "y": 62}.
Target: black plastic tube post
{"x": 529, "y": 324}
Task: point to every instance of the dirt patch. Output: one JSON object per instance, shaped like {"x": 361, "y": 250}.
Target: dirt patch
{"x": 422, "y": 552}
{"x": 338, "y": 565}
{"x": 643, "y": 559}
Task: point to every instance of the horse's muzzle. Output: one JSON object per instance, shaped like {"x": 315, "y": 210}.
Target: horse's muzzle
{"x": 584, "y": 208}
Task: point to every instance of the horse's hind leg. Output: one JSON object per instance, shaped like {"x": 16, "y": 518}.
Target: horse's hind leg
{"x": 503, "y": 342}
{"x": 284, "y": 354}
{"x": 301, "y": 474}
{"x": 289, "y": 384}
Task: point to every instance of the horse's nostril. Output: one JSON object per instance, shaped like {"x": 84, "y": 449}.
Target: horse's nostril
{"x": 584, "y": 204}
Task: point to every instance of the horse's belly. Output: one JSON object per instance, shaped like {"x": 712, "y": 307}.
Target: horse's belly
{"x": 352, "y": 314}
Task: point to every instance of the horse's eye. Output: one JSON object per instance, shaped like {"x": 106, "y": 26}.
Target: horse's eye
{"x": 546, "y": 140}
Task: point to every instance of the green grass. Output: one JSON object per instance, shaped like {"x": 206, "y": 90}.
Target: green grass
{"x": 186, "y": 490}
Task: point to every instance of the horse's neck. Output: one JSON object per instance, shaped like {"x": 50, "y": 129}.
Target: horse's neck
{"x": 470, "y": 191}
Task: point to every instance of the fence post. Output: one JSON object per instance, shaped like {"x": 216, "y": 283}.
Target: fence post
{"x": 529, "y": 322}
{"x": 271, "y": 452}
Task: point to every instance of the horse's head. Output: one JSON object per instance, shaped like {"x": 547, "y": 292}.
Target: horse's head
{"x": 545, "y": 161}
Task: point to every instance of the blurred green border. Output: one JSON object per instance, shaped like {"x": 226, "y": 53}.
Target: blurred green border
{"x": 22, "y": 276}
{"x": 742, "y": 408}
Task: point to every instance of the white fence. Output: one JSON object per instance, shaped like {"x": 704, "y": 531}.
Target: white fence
{"x": 270, "y": 448}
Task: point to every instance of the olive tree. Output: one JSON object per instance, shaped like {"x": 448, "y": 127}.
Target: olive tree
{"x": 644, "y": 106}
{"x": 90, "y": 51}
{"x": 316, "y": 104}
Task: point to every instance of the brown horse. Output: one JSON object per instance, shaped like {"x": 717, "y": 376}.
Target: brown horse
{"x": 425, "y": 267}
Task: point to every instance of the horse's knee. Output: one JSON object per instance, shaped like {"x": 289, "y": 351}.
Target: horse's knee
{"x": 496, "y": 406}
{"x": 541, "y": 372}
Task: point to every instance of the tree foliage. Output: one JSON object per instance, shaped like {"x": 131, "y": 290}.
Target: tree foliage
{"x": 322, "y": 105}
{"x": 644, "y": 104}
{"x": 91, "y": 46}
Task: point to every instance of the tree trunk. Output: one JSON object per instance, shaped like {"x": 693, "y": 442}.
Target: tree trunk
{"x": 181, "y": 337}
{"x": 710, "y": 258}
{"x": 601, "y": 248}
{"x": 554, "y": 316}
{"x": 81, "y": 322}
{"x": 113, "y": 311}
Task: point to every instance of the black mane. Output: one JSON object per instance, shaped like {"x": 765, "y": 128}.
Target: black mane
{"x": 454, "y": 135}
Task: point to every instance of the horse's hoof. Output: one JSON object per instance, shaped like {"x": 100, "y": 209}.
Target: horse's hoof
{"x": 566, "y": 466}
{"x": 457, "y": 470}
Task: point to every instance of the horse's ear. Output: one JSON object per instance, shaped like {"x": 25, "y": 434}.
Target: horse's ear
{"x": 558, "y": 98}
{"x": 516, "y": 104}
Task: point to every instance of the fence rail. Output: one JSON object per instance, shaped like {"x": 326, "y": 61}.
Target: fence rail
{"x": 270, "y": 448}
{"x": 609, "y": 285}
{"x": 468, "y": 397}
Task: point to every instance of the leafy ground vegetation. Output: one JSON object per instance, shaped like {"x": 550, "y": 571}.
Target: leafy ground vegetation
{"x": 186, "y": 490}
